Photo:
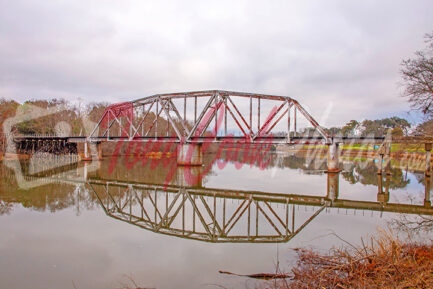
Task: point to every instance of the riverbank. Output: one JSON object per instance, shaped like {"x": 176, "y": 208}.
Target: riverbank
{"x": 382, "y": 262}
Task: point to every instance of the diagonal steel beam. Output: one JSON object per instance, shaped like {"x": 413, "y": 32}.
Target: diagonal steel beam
{"x": 239, "y": 113}
{"x": 211, "y": 215}
{"x": 311, "y": 120}
{"x": 267, "y": 218}
{"x": 197, "y": 211}
{"x": 235, "y": 220}
{"x": 165, "y": 217}
{"x": 144, "y": 118}
{"x": 165, "y": 105}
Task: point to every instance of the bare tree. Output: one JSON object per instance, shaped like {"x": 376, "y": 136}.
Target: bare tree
{"x": 417, "y": 75}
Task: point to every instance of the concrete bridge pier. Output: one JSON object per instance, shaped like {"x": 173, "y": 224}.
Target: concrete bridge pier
{"x": 383, "y": 196}
{"x": 388, "y": 158}
{"x": 97, "y": 147}
{"x": 427, "y": 186}
{"x": 333, "y": 157}
{"x": 189, "y": 154}
{"x": 428, "y": 147}
{"x": 384, "y": 158}
{"x": 189, "y": 176}
{"x": 333, "y": 186}
{"x": 99, "y": 150}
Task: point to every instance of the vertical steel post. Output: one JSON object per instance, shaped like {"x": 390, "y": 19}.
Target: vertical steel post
{"x": 168, "y": 127}
{"x": 287, "y": 217}
{"x": 224, "y": 215}
{"x": 142, "y": 124}
{"x": 251, "y": 115}
{"x": 225, "y": 118}
{"x": 120, "y": 126}
{"x": 258, "y": 114}
{"x": 183, "y": 212}
{"x": 293, "y": 218}
{"x": 249, "y": 220}
{"x": 257, "y": 218}
{"x": 130, "y": 128}
{"x": 214, "y": 215}
{"x": 156, "y": 206}
{"x": 184, "y": 108}
{"x": 288, "y": 122}
{"x": 195, "y": 109}
{"x": 193, "y": 216}
{"x": 216, "y": 114}
{"x": 156, "y": 119}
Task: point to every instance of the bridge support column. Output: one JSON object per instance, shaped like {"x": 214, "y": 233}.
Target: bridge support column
{"x": 99, "y": 150}
{"x": 88, "y": 151}
{"x": 383, "y": 196}
{"x": 427, "y": 186}
{"x": 189, "y": 154}
{"x": 384, "y": 157}
{"x": 189, "y": 176}
{"x": 428, "y": 147}
{"x": 87, "y": 155}
{"x": 388, "y": 158}
{"x": 333, "y": 158}
{"x": 333, "y": 186}
{"x": 382, "y": 151}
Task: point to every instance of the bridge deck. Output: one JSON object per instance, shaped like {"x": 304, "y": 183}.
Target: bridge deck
{"x": 277, "y": 139}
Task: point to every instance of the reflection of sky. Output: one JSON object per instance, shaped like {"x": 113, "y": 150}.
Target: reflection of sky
{"x": 274, "y": 180}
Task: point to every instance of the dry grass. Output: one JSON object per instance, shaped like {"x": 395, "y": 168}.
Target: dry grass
{"x": 383, "y": 262}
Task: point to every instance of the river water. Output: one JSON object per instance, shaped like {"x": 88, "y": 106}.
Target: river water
{"x": 145, "y": 222}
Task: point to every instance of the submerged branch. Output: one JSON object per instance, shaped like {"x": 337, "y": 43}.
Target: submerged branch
{"x": 264, "y": 276}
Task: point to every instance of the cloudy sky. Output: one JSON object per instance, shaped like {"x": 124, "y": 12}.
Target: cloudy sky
{"x": 341, "y": 53}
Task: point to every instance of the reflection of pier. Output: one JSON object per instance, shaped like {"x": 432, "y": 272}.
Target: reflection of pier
{"x": 216, "y": 215}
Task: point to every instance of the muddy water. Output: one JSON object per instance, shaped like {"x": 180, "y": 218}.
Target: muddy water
{"x": 121, "y": 222}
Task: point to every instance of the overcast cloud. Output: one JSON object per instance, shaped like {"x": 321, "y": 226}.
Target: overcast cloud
{"x": 347, "y": 53}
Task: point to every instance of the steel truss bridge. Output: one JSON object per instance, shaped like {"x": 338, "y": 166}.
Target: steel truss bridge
{"x": 193, "y": 118}
{"x": 214, "y": 115}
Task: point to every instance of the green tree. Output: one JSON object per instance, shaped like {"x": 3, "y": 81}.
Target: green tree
{"x": 380, "y": 127}
{"x": 349, "y": 128}
{"x": 333, "y": 131}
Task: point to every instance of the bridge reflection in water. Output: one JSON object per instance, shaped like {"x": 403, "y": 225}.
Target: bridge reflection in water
{"x": 183, "y": 207}
{"x": 217, "y": 215}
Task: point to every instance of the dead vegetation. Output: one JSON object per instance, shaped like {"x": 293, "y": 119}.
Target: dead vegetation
{"x": 383, "y": 262}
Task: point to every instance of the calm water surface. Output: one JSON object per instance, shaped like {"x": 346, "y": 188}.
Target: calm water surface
{"x": 104, "y": 224}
